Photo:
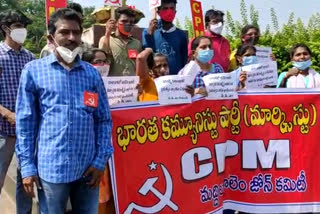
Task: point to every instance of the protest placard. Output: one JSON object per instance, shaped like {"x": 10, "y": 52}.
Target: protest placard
{"x": 114, "y": 3}
{"x": 263, "y": 54}
{"x": 171, "y": 89}
{"x": 190, "y": 69}
{"x": 153, "y": 4}
{"x": 121, "y": 89}
{"x": 221, "y": 86}
{"x": 260, "y": 75}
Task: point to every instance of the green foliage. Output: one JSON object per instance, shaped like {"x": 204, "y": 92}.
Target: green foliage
{"x": 254, "y": 16}
{"x": 35, "y": 10}
{"x": 189, "y": 27}
{"x": 280, "y": 39}
{"x": 7, "y": 4}
{"x": 274, "y": 19}
{"x": 88, "y": 20}
{"x": 178, "y": 24}
{"x": 243, "y": 11}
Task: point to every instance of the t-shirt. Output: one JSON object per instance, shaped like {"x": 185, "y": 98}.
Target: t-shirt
{"x": 121, "y": 64}
{"x": 173, "y": 44}
{"x": 149, "y": 92}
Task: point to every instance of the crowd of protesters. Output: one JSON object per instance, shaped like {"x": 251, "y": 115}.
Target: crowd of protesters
{"x": 54, "y": 111}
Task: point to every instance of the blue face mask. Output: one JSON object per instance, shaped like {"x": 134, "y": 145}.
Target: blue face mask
{"x": 205, "y": 56}
{"x": 249, "y": 60}
{"x": 302, "y": 65}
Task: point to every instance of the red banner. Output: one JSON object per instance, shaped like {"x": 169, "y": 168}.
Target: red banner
{"x": 53, "y": 5}
{"x": 257, "y": 154}
{"x": 197, "y": 18}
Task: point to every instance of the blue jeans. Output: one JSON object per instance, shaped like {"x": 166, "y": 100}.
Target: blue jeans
{"x": 7, "y": 145}
{"x": 23, "y": 201}
{"x": 84, "y": 200}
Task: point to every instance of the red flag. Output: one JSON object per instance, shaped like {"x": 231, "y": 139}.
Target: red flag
{"x": 197, "y": 18}
{"x": 53, "y": 5}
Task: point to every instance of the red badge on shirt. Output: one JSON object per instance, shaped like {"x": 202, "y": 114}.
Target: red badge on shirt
{"x": 90, "y": 99}
{"x": 132, "y": 53}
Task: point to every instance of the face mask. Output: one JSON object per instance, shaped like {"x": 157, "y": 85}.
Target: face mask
{"x": 249, "y": 60}
{"x": 251, "y": 40}
{"x": 103, "y": 69}
{"x": 125, "y": 29}
{"x": 216, "y": 28}
{"x": 205, "y": 56}
{"x": 302, "y": 65}
{"x": 68, "y": 55}
{"x": 167, "y": 15}
{"x": 65, "y": 53}
{"x": 19, "y": 35}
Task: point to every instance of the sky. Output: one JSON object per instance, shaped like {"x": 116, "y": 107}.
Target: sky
{"x": 303, "y": 9}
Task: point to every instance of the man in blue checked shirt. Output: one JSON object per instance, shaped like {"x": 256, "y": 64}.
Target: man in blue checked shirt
{"x": 13, "y": 58}
{"x": 63, "y": 104}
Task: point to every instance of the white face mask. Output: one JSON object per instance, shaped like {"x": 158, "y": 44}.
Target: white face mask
{"x": 103, "y": 69}
{"x": 68, "y": 55}
{"x": 19, "y": 35}
{"x": 216, "y": 28}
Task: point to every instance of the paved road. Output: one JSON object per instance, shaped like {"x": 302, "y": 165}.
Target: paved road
{"x": 7, "y": 206}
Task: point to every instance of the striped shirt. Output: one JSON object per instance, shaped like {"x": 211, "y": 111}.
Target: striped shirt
{"x": 11, "y": 65}
{"x": 71, "y": 136}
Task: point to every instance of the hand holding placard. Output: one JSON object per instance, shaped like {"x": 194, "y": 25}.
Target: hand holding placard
{"x": 221, "y": 86}
{"x": 121, "y": 89}
{"x": 172, "y": 89}
{"x": 260, "y": 75}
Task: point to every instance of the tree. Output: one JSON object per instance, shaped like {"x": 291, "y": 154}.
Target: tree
{"x": 243, "y": 11}
{"x": 274, "y": 19}
{"x": 37, "y": 31}
{"x": 8, "y": 4}
{"x": 189, "y": 27}
{"x": 178, "y": 23}
{"x": 230, "y": 27}
{"x": 291, "y": 19}
{"x": 281, "y": 39}
{"x": 88, "y": 20}
{"x": 254, "y": 16}
{"x": 35, "y": 10}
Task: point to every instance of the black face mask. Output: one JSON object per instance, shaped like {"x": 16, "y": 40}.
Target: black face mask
{"x": 252, "y": 40}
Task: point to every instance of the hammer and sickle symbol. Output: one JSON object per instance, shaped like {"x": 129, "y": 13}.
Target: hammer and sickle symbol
{"x": 165, "y": 199}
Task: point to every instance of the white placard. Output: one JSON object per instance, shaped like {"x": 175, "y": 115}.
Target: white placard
{"x": 260, "y": 75}
{"x": 154, "y": 4}
{"x": 263, "y": 54}
{"x": 190, "y": 69}
{"x": 114, "y": 3}
{"x": 221, "y": 86}
{"x": 121, "y": 89}
{"x": 171, "y": 89}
